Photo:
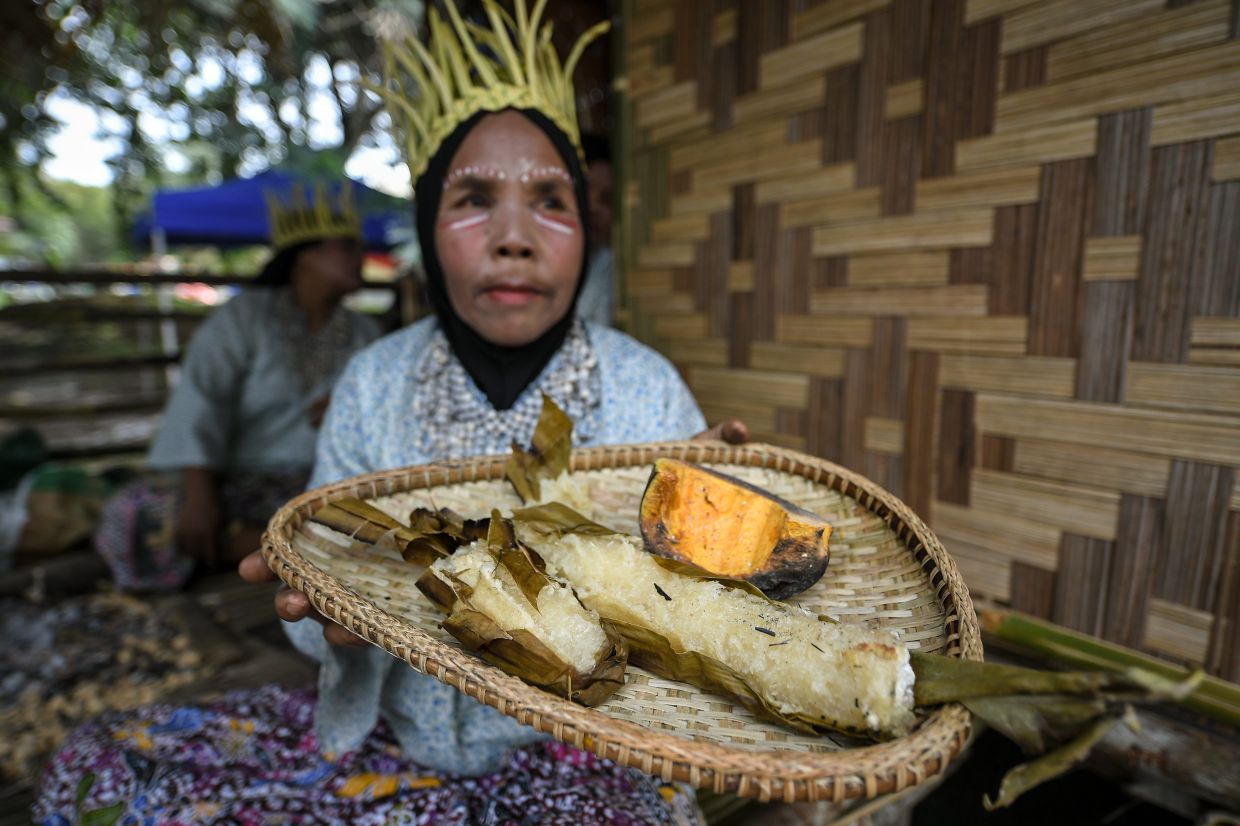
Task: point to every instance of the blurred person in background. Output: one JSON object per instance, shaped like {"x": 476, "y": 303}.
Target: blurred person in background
{"x": 597, "y": 299}
{"x": 237, "y": 437}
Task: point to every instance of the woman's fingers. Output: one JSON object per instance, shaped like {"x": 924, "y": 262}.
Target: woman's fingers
{"x": 339, "y": 635}
{"x": 294, "y": 606}
{"x": 733, "y": 431}
{"x": 254, "y": 569}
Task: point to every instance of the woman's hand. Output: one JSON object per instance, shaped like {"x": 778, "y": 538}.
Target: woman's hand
{"x": 200, "y": 519}
{"x": 733, "y": 431}
{"x": 294, "y": 606}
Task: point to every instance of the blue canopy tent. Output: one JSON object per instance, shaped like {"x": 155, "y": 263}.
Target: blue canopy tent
{"x": 234, "y": 213}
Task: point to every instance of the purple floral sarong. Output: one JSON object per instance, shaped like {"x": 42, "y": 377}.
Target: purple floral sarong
{"x": 252, "y": 758}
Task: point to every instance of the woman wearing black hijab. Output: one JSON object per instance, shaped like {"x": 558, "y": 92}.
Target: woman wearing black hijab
{"x": 237, "y": 437}
{"x": 502, "y": 218}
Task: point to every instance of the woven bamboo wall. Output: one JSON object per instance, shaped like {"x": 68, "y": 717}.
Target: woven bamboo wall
{"x": 986, "y": 252}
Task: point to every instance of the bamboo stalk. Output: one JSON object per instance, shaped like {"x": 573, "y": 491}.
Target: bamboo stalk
{"x": 1215, "y": 698}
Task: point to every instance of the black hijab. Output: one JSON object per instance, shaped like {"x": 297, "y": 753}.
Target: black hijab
{"x": 278, "y": 271}
{"x": 502, "y": 373}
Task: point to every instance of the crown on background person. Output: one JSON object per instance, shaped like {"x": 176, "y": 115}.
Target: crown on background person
{"x": 299, "y": 219}
{"x": 470, "y": 68}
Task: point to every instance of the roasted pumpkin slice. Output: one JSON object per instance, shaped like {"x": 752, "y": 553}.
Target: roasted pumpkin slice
{"x": 732, "y": 529}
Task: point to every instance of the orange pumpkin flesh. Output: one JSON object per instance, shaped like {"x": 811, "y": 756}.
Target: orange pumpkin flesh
{"x": 732, "y": 529}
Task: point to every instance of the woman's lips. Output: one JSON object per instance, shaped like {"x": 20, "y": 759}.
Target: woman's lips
{"x": 511, "y": 294}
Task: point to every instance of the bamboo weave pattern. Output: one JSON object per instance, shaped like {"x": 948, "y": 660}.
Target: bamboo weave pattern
{"x": 984, "y": 252}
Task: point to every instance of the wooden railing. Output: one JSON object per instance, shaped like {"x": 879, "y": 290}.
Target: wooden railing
{"x": 161, "y": 352}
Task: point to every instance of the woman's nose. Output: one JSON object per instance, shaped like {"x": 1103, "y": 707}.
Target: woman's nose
{"x": 514, "y": 234}
{"x": 514, "y": 249}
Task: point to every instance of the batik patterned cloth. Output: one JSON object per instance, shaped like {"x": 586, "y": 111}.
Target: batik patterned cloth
{"x": 251, "y": 758}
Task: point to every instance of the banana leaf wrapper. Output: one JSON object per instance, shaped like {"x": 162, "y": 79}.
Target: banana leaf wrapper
{"x": 549, "y": 454}
{"x": 431, "y": 535}
{"x": 520, "y": 652}
{"x": 652, "y": 651}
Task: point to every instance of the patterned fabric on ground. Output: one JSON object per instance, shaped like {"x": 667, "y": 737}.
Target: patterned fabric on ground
{"x": 135, "y": 532}
{"x": 252, "y": 758}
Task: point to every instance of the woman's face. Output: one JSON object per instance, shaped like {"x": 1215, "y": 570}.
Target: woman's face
{"x": 334, "y": 265}
{"x": 509, "y": 232}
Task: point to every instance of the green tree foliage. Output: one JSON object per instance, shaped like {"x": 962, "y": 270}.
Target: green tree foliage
{"x": 60, "y": 223}
{"x": 233, "y": 85}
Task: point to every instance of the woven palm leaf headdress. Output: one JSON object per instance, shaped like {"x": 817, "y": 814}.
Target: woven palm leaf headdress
{"x": 297, "y": 219}
{"x": 470, "y": 68}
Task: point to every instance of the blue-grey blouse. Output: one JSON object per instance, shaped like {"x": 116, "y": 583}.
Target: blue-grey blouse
{"x": 406, "y": 400}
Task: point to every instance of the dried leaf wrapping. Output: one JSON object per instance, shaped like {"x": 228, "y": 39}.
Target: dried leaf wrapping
{"x": 559, "y": 518}
{"x": 431, "y": 536}
{"x": 357, "y": 519}
{"x": 548, "y": 456}
{"x": 436, "y": 534}
{"x": 518, "y": 651}
{"x": 652, "y": 651}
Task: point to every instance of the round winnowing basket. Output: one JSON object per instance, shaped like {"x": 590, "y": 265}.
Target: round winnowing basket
{"x": 887, "y": 570}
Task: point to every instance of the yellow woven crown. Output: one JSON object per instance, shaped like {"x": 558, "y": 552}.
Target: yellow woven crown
{"x": 299, "y": 220}
{"x": 431, "y": 93}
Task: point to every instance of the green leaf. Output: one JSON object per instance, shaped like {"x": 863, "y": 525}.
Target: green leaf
{"x": 83, "y": 788}
{"x": 942, "y": 679}
{"x": 1037, "y": 723}
{"x": 103, "y": 817}
{"x": 1030, "y": 775}
{"x": 1158, "y": 687}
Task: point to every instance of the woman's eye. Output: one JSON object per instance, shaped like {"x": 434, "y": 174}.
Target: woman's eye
{"x": 553, "y": 202}
{"x": 473, "y": 199}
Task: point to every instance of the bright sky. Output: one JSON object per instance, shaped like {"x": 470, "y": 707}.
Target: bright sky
{"x": 82, "y": 145}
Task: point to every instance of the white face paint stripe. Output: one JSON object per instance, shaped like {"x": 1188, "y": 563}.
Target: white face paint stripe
{"x": 555, "y": 225}
{"x": 471, "y": 221}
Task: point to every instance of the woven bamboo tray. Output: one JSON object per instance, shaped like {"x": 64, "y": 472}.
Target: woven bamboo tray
{"x": 887, "y": 570}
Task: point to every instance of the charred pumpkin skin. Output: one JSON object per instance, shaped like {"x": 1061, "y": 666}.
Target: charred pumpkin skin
{"x": 732, "y": 529}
